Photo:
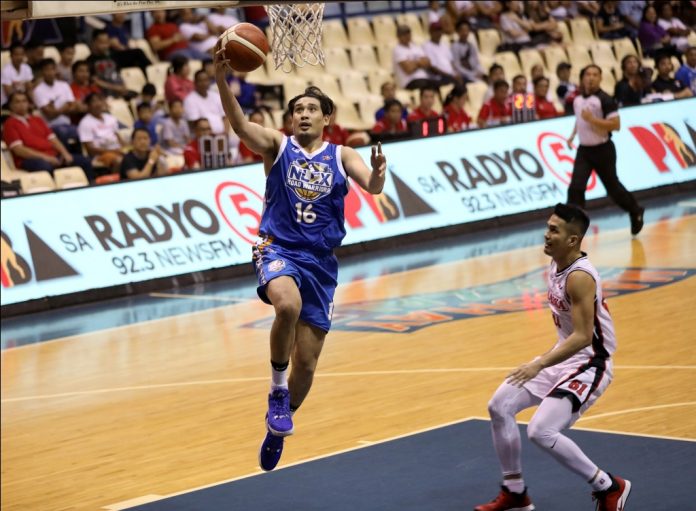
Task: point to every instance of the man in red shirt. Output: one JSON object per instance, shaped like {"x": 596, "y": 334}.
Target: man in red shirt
{"x": 33, "y": 144}
{"x": 496, "y": 110}
{"x": 166, "y": 39}
{"x": 544, "y": 108}
{"x": 425, "y": 108}
{"x": 192, "y": 153}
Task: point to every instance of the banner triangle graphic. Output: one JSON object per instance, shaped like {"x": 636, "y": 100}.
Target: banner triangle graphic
{"x": 47, "y": 264}
{"x": 411, "y": 203}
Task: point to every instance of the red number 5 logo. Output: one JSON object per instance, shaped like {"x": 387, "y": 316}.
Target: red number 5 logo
{"x": 553, "y": 150}
{"x": 241, "y": 208}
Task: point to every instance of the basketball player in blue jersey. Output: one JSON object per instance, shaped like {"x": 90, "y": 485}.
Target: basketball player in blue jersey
{"x": 302, "y": 223}
{"x": 566, "y": 380}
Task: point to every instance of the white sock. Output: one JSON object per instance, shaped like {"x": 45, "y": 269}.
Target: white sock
{"x": 514, "y": 485}
{"x": 279, "y": 378}
{"x": 601, "y": 481}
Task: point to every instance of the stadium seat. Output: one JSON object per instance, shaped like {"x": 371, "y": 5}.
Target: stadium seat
{"x": 608, "y": 80}
{"x": 510, "y": 63}
{"x": 353, "y": 85}
{"x": 37, "y": 182}
{"x": 334, "y": 34}
{"x": 157, "y": 75}
{"x": 82, "y": 51}
{"x": 258, "y": 75}
{"x": 368, "y": 106}
{"x": 51, "y": 52}
{"x": 376, "y": 77}
{"x": 308, "y": 71}
{"x": 476, "y": 92}
{"x": 120, "y": 109}
{"x": 385, "y": 55}
{"x": 488, "y": 40}
{"x": 565, "y": 31}
{"x": 691, "y": 39}
{"x": 194, "y": 66}
{"x": 418, "y": 35}
{"x": 602, "y": 54}
{"x": 623, "y": 47}
{"x": 133, "y": 79}
{"x": 4, "y": 58}
{"x": 363, "y": 57}
{"x": 360, "y": 31}
{"x": 582, "y": 31}
{"x": 579, "y": 56}
{"x": 529, "y": 58}
{"x": 406, "y": 97}
{"x": 70, "y": 177}
{"x": 384, "y": 28}
{"x": 348, "y": 117}
{"x": 145, "y": 47}
{"x": 328, "y": 84}
{"x": 554, "y": 56}
{"x": 293, "y": 85}
{"x": 336, "y": 60}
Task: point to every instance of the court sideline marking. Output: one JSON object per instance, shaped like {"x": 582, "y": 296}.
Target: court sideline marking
{"x": 322, "y": 375}
{"x": 615, "y": 234}
{"x": 364, "y": 444}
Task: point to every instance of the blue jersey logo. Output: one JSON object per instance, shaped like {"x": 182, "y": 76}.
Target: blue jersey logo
{"x": 310, "y": 180}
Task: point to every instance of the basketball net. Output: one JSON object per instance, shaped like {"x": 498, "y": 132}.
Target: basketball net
{"x": 296, "y": 34}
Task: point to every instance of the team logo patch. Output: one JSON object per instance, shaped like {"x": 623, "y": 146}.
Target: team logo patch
{"x": 276, "y": 265}
{"x": 310, "y": 180}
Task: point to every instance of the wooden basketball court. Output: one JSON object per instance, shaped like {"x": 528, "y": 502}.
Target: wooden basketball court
{"x": 164, "y": 406}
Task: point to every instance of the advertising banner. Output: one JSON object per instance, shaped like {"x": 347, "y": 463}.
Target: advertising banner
{"x": 75, "y": 240}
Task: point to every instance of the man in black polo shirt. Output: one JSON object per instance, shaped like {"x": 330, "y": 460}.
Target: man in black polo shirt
{"x": 665, "y": 82}
{"x": 596, "y": 116}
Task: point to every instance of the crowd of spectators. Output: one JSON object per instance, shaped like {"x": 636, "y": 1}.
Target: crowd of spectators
{"x": 60, "y": 109}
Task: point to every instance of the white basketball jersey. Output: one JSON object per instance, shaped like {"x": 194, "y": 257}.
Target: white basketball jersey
{"x": 603, "y": 338}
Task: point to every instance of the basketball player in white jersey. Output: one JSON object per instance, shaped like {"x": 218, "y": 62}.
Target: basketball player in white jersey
{"x": 566, "y": 380}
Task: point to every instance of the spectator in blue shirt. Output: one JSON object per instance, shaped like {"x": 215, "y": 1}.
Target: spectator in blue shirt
{"x": 687, "y": 72}
{"x": 145, "y": 122}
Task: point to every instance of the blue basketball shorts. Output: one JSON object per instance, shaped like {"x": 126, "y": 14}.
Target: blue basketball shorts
{"x": 314, "y": 274}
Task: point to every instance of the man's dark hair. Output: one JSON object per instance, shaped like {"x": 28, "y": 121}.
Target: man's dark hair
{"x": 431, "y": 88}
{"x": 518, "y": 77}
{"x": 174, "y": 101}
{"x": 325, "y": 102}
{"x": 15, "y": 46}
{"x": 136, "y": 130}
{"x": 198, "y": 121}
{"x": 44, "y": 63}
{"x": 573, "y": 215}
{"x": 391, "y": 102}
{"x": 540, "y": 79}
{"x": 149, "y": 89}
{"x": 499, "y": 84}
{"x": 91, "y": 96}
{"x": 33, "y": 44}
{"x": 493, "y": 68}
{"x": 198, "y": 73}
{"x": 662, "y": 56}
{"x": 79, "y": 63}
{"x": 462, "y": 21}
{"x": 589, "y": 66}
{"x": 97, "y": 33}
{"x": 64, "y": 46}
{"x": 143, "y": 106}
{"x": 15, "y": 94}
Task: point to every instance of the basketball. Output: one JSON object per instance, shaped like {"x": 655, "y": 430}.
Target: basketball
{"x": 245, "y": 46}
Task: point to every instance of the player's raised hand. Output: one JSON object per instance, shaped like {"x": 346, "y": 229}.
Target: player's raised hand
{"x": 222, "y": 65}
{"x": 378, "y": 160}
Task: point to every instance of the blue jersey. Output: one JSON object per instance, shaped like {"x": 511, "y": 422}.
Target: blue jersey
{"x": 304, "y": 200}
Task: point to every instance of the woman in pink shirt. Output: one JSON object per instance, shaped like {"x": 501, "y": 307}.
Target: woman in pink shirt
{"x": 178, "y": 84}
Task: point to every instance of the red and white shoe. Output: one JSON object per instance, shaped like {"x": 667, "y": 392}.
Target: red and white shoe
{"x": 508, "y": 501}
{"x": 614, "y": 498}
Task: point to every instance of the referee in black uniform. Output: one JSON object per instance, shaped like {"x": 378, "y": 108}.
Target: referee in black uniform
{"x": 596, "y": 116}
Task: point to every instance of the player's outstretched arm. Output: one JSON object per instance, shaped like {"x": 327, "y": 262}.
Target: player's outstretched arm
{"x": 263, "y": 141}
{"x": 581, "y": 288}
{"x": 369, "y": 180}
